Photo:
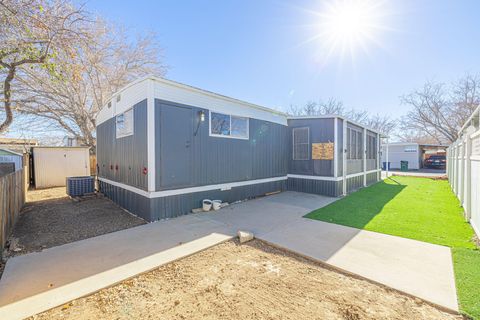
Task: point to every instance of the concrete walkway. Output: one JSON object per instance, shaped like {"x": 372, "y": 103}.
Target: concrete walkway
{"x": 417, "y": 268}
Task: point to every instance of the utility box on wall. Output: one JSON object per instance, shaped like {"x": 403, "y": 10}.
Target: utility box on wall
{"x": 52, "y": 165}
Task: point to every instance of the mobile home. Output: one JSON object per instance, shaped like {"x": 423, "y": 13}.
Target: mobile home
{"x": 163, "y": 147}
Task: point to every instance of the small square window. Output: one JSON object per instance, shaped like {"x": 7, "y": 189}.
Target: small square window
{"x": 124, "y": 124}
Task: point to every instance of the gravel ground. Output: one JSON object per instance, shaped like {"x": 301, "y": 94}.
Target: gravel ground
{"x": 250, "y": 281}
{"x": 50, "y": 218}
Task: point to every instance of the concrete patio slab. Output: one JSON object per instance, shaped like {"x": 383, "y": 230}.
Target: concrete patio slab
{"x": 417, "y": 268}
{"x": 414, "y": 267}
{"x": 265, "y": 214}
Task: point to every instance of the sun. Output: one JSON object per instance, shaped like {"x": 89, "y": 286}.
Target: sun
{"x": 345, "y": 26}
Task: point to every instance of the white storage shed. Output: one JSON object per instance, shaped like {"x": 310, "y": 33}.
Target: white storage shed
{"x": 52, "y": 165}
{"x": 412, "y": 152}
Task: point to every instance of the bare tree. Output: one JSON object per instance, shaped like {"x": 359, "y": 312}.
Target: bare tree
{"x": 89, "y": 75}
{"x": 438, "y": 111}
{"x": 31, "y": 32}
{"x": 383, "y": 124}
{"x": 332, "y": 106}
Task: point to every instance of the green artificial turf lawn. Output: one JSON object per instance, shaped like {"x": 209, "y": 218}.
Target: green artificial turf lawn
{"x": 466, "y": 263}
{"x": 409, "y": 207}
{"x": 417, "y": 208}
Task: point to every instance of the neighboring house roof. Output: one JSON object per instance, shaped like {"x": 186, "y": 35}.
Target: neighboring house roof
{"x": 17, "y": 145}
{"x": 17, "y": 141}
{"x": 7, "y": 152}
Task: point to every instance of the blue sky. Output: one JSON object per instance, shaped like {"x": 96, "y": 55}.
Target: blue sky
{"x": 256, "y": 51}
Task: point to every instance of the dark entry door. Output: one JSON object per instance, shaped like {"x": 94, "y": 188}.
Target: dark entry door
{"x": 176, "y": 149}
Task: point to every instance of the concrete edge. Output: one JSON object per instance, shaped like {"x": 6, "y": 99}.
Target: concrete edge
{"x": 378, "y": 232}
{"x": 360, "y": 277}
{"x": 55, "y": 297}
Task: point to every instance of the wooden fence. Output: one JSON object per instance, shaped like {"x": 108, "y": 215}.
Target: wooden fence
{"x": 12, "y": 199}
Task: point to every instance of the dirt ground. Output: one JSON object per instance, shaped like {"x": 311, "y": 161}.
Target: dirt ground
{"x": 50, "y": 218}
{"x": 249, "y": 281}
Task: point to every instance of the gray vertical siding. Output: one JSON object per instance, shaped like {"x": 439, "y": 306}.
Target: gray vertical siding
{"x": 322, "y": 187}
{"x": 122, "y": 160}
{"x": 177, "y": 205}
{"x": 372, "y": 178}
{"x": 133, "y": 202}
{"x": 354, "y": 183}
{"x": 321, "y": 130}
{"x": 152, "y": 209}
{"x": 220, "y": 160}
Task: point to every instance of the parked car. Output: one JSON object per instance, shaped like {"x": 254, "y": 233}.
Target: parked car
{"x": 437, "y": 162}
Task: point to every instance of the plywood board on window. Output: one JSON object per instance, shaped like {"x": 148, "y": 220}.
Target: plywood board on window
{"x": 322, "y": 151}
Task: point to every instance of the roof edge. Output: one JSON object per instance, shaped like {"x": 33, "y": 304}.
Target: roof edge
{"x": 196, "y": 89}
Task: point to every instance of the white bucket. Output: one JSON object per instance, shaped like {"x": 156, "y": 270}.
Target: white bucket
{"x": 206, "y": 205}
{"x": 217, "y": 204}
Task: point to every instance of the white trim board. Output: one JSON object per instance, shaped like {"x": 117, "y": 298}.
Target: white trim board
{"x": 223, "y": 186}
{"x": 173, "y": 192}
{"x": 362, "y": 173}
{"x": 325, "y": 178}
{"x": 308, "y": 177}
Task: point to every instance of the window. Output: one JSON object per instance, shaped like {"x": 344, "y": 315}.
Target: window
{"x": 354, "y": 144}
{"x": 124, "y": 124}
{"x": 301, "y": 143}
{"x": 371, "y": 147}
{"x": 228, "y": 126}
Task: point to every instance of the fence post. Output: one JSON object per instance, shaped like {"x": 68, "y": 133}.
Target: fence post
{"x": 468, "y": 177}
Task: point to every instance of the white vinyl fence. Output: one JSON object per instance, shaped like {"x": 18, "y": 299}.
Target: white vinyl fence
{"x": 463, "y": 170}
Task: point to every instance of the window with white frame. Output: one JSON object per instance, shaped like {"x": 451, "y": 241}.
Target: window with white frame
{"x": 228, "y": 126}
{"x": 124, "y": 124}
{"x": 301, "y": 143}
{"x": 354, "y": 144}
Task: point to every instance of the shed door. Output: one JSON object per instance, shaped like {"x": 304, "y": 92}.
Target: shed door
{"x": 53, "y": 165}
{"x": 176, "y": 150}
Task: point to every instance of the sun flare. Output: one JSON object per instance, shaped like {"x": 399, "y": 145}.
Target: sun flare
{"x": 348, "y": 25}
